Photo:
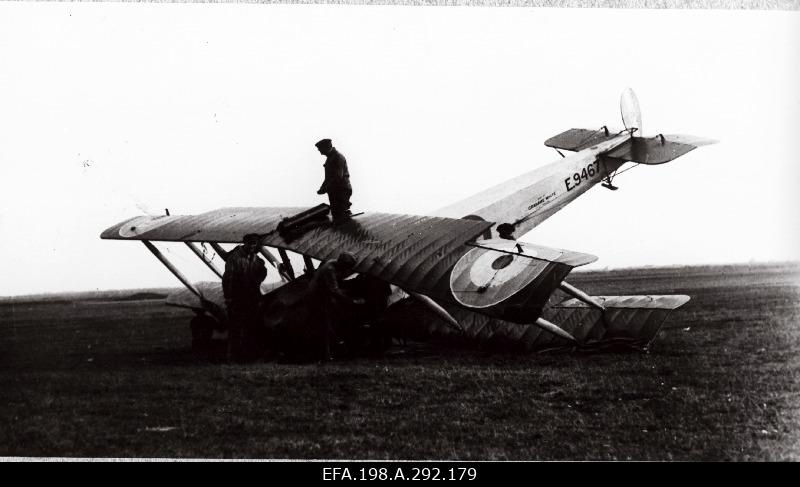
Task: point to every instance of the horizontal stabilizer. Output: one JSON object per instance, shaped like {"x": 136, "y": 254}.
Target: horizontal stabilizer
{"x": 655, "y": 150}
{"x": 579, "y": 139}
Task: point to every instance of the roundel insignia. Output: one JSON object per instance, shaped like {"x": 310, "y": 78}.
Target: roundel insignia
{"x": 485, "y": 277}
{"x": 142, "y": 224}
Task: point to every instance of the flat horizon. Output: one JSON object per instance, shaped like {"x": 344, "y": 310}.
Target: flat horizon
{"x": 784, "y": 263}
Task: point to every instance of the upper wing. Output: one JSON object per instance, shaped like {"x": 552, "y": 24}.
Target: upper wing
{"x": 225, "y": 225}
{"x": 413, "y": 252}
{"x": 434, "y": 256}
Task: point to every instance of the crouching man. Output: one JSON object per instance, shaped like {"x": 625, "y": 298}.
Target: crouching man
{"x": 327, "y": 299}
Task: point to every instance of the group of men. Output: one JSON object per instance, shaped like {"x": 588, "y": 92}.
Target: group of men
{"x": 245, "y": 271}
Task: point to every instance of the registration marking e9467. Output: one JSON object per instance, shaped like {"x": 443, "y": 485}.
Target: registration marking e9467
{"x": 586, "y": 173}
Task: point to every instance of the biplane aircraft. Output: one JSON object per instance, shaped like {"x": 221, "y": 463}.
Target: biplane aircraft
{"x": 454, "y": 277}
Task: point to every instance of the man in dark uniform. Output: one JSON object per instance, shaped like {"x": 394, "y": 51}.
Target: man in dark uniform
{"x": 327, "y": 298}
{"x": 241, "y": 286}
{"x": 337, "y": 181}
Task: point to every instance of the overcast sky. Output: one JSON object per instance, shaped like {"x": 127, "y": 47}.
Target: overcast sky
{"x": 111, "y": 110}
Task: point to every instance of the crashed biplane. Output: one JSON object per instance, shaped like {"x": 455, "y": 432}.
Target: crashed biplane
{"x": 459, "y": 280}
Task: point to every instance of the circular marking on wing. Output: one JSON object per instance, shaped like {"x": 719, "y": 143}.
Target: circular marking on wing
{"x": 142, "y": 224}
{"x": 502, "y": 262}
{"x": 483, "y": 273}
{"x": 485, "y": 277}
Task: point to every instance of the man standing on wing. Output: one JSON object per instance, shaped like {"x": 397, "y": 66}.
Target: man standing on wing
{"x": 337, "y": 181}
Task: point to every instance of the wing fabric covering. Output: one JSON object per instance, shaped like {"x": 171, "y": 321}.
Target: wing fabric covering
{"x": 629, "y": 321}
{"x": 413, "y": 252}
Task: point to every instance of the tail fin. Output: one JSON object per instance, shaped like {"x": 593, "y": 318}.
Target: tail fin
{"x": 631, "y": 114}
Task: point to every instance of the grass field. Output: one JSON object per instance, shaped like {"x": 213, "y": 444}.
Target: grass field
{"x": 100, "y": 375}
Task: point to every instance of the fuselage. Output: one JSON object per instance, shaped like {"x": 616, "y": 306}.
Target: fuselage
{"x": 527, "y": 200}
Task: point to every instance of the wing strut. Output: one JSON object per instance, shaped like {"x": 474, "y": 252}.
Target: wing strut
{"x": 199, "y": 253}
{"x": 277, "y": 265}
{"x": 287, "y": 264}
{"x": 436, "y": 308}
{"x": 219, "y": 250}
{"x": 174, "y": 270}
{"x": 309, "y": 264}
{"x": 577, "y": 293}
{"x": 553, "y": 328}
